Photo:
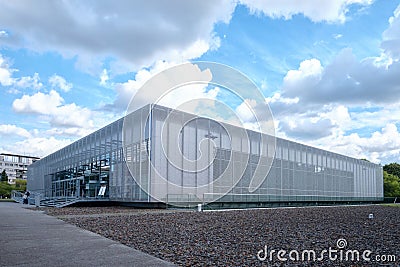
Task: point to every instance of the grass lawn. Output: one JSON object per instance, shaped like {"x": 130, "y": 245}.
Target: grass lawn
{"x": 6, "y": 200}
{"x": 396, "y": 205}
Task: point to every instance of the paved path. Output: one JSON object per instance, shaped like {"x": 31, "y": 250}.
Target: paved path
{"x": 32, "y": 238}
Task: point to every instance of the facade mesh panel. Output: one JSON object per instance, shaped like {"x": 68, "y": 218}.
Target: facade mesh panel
{"x": 101, "y": 159}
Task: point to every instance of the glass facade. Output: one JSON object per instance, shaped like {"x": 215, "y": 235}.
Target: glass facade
{"x": 156, "y": 154}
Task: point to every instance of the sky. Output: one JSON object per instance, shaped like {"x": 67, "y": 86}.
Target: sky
{"x": 329, "y": 69}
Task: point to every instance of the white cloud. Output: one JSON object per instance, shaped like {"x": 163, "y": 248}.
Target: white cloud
{"x": 308, "y": 73}
{"x": 278, "y": 98}
{"x": 72, "y": 115}
{"x": 13, "y": 91}
{"x": 8, "y": 129}
{"x": 57, "y": 81}
{"x": 245, "y": 111}
{"x": 39, "y": 103}
{"x": 381, "y": 141}
{"x": 378, "y": 117}
{"x": 40, "y": 146}
{"x": 337, "y": 36}
{"x": 175, "y": 88}
{"x": 306, "y": 128}
{"x": 6, "y": 78}
{"x": 391, "y": 36}
{"x": 125, "y": 91}
{"x": 104, "y": 78}
{"x": 3, "y": 34}
{"x": 345, "y": 80}
{"x": 188, "y": 97}
{"x": 52, "y": 106}
{"x": 28, "y": 82}
{"x": 195, "y": 50}
{"x": 339, "y": 115}
{"x": 170, "y": 30}
{"x": 5, "y": 73}
{"x": 334, "y": 127}
{"x": 346, "y": 96}
{"x": 324, "y": 10}
{"x": 71, "y": 131}
{"x": 382, "y": 146}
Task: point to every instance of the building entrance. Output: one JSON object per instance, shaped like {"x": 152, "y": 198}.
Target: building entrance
{"x": 86, "y": 181}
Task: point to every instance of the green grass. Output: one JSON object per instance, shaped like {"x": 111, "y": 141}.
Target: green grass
{"x": 6, "y": 200}
{"x": 397, "y": 205}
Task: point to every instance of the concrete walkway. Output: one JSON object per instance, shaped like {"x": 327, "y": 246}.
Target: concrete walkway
{"x": 32, "y": 238}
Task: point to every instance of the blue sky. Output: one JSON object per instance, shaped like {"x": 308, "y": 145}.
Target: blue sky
{"x": 329, "y": 70}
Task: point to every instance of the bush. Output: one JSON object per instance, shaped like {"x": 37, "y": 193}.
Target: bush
{"x": 20, "y": 185}
{"x": 392, "y": 168}
{"x": 5, "y": 189}
{"x": 391, "y": 185}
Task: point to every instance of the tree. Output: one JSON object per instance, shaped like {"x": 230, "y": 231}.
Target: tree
{"x": 391, "y": 185}
{"x": 20, "y": 184}
{"x": 5, "y": 190}
{"x": 4, "y": 176}
{"x": 392, "y": 168}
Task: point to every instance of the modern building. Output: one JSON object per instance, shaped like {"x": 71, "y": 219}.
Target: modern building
{"x": 16, "y": 166}
{"x": 159, "y": 155}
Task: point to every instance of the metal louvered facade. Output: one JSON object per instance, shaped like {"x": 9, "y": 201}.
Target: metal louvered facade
{"x": 111, "y": 163}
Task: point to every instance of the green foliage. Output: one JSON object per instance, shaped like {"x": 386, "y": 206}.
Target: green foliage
{"x": 394, "y": 205}
{"x": 391, "y": 185}
{"x": 4, "y": 176}
{"x": 6, "y": 200}
{"x": 5, "y": 189}
{"x": 392, "y": 168}
{"x": 20, "y": 184}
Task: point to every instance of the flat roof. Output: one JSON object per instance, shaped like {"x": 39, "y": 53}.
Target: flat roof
{"x": 17, "y": 155}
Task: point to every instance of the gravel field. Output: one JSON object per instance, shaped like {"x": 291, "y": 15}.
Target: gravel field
{"x": 95, "y": 211}
{"x": 84, "y": 210}
{"x": 233, "y": 238}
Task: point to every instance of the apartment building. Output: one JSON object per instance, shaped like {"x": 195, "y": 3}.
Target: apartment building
{"x": 16, "y": 166}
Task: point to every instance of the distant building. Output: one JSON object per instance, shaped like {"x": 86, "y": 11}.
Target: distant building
{"x": 16, "y": 166}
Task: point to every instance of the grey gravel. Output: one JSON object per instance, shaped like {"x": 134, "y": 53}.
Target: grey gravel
{"x": 233, "y": 238}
